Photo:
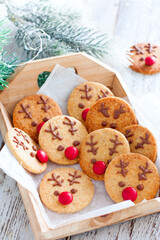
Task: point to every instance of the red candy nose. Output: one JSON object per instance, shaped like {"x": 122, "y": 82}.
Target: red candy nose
{"x": 150, "y": 60}
{"x": 42, "y": 156}
{"x": 71, "y": 153}
{"x": 84, "y": 113}
{"x": 99, "y": 168}
{"x": 65, "y": 198}
{"x": 129, "y": 193}
{"x": 40, "y": 126}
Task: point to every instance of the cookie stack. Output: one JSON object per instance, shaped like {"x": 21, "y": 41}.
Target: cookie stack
{"x": 101, "y": 133}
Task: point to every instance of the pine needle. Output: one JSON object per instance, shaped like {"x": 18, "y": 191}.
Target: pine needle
{"x": 63, "y": 26}
{"x": 6, "y": 62}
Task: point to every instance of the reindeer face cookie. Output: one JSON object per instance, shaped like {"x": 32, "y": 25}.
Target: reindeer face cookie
{"x": 146, "y": 58}
{"x": 98, "y": 149}
{"x": 25, "y": 150}
{"x": 61, "y": 137}
{"x": 33, "y": 110}
{"x": 111, "y": 112}
{"x": 131, "y": 177}
{"x": 84, "y": 96}
{"x": 66, "y": 190}
{"x": 141, "y": 141}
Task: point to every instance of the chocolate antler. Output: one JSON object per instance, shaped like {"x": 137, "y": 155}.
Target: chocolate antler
{"x": 104, "y": 94}
{"x": 116, "y": 143}
{"x": 129, "y": 134}
{"x": 122, "y": 165}
{"x": 71, "y": 124}
{"x": 142, "y": 176}
{"x": 74, "y": 177}
{"x": 86, "y": 90}
{"x": 19, "y": 143}
{"x": 57, "y": 182}
{"x": 20, "y": 133}
{"x": 119, "y": 111}
{"x": 44, "y": 102}
{"x": 52, "y": 130}
{"x": 149, "y": 48}
{"x": 25, "y": 110}
{"x": 138, "y": 50}
{"x": 104, "y": 110}
{"x": 92, "y": 144}
{"x": 144, "y": 141}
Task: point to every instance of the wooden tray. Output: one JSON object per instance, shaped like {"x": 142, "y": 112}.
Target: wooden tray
{"x": 24, "y": 83}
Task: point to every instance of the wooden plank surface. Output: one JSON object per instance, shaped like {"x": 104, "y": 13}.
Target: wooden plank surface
{"x": 137, "y": 20}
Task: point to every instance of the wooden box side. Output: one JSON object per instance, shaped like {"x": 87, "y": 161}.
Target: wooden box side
{"x": 24, "y": 80}
{"x": 25, "y": 83}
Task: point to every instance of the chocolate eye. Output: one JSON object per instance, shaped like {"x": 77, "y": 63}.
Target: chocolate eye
{"x": 80, "y": 105}
{"x": 60, "y": 148}
{"x": 73, "y": 190}
{"x": 56, "y": 193}
{"x": 113, "y": 125}
{"x": 104, "y": 123}
{"x": 109, "y": 160}
{"x": 121, "y": 184}
{"x": 140, "y": 187}
{"x": 93, "y": 160}
{"x": 34, "y": 124}
{"x": 76, "y": 143}
{"x": 34, "y": 148}
{"x": 45, "y": 119}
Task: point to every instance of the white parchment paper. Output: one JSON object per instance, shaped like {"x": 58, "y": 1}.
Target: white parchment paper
{"x": 58, "y": 86}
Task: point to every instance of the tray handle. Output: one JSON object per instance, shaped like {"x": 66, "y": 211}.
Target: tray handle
{"x": 5, "y": 121}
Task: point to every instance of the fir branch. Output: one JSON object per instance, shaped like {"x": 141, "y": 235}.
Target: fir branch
{"x": 4, "y": 38}
{"x": 62, "y": 26}
{"x": 6, "y": 62}
{"x": 7, "y": 66}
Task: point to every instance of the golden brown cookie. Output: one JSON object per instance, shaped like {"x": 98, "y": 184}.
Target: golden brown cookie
{"x": 61, "y": 137}
{"x": 111, "y": 112}
{"x": 32, "y": 110}
{"x": 98, "y": 149}
{"x": 141, "y": 141}
{"x": 24, "y": 149}
{"x": 66, "y": 190}
{"x": 145, "y": 58}
{"x": 133, "y": 177}
{"x": 84, "y": 96}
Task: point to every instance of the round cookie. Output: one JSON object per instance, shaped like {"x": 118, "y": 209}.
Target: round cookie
{"x": 60, "y": 133}
{"x": 62, "y": 180}
{"x": 139, "y": 53}
{"x": 141, "y": 141}
{"x": 84, "y": 96}
{"x": 101, "y": 146}
{"x": 111, "y": 112}
{"x": 32, "y": 110}
{"x": 24, "y": 149}
{"x": 135, "y": 171}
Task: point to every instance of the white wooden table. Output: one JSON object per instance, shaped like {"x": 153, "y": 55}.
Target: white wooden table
{"x": 136, "y": 21}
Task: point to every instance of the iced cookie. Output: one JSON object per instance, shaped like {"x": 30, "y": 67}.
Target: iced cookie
{"x": 25, "y": 150}
{"x": 131, "y": 177}
{"x": 61, "y": 137}
{"x": 84, "y": 96}
{"x": 66, "y": 190}
{"x": 111, "y": 112}
{"x": 141, "y": 141}
{"x": 145, "y": 58}
{"x": 33, "y": 110}
{"x": 98, "y": 149}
